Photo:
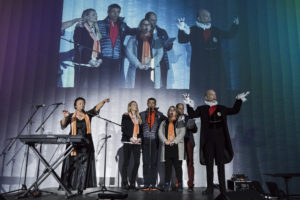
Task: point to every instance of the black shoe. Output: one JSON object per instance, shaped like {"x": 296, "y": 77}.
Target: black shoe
{"x": 180, "y": 187}
{"x": 166, "y": 187}
{"x": 79, "y": 192}
{"x": 191, "y": 189}
{"x": 208, "y": 191}
{"x": 132, "y": 187}
{"x": 125, "y": 186}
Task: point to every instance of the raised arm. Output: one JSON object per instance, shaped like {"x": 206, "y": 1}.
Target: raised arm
{"x": 66, "y": 119}
{"x": 101, "y": 104}
{"x": 193, "y": 113}
{"x": 235, "y": 109}
{"x": 232, "y": 31}
{"x": 183, "y": 31}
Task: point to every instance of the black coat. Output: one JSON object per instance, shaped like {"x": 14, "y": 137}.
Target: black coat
{"x": 220, "y": 115}
{"x": 206, "y": 58}
{"x": 163, "y": 36}
{"x": 127, "y": 128}
{"x": 83, "y": 45}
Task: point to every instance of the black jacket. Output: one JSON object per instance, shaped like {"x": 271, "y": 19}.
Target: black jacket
{"x": 127, "y": 128}
{"x": 163, "y": 36}
{"x": 219, "y": 115}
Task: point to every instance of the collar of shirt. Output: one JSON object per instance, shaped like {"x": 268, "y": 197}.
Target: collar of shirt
{"x": 211, "y": 103}
{"x": 203, "y": 26}
{"x": 181, "y": 118}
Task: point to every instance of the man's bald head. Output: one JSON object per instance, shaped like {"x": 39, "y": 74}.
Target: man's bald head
{"x": 203, "y": 16}
{"x": 210, "y": 96}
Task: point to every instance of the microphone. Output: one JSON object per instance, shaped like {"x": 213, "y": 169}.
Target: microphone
{"x": 40, "y": 105}
{"x": 57, "y": 104}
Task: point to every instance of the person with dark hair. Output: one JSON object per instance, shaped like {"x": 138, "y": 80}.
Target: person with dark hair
{"x": 207, "y": 64}
{"x": 215, "y": 142}
{"x": 171, "y": 134}
{"x": 132, "y": 138}
{"x": 189, "y": 143}
{"x": 87, "y": 50}
{"x": 113, "y": 30}
{"x": 161, "y": 34}
{"x": 144, "y": 54}
{"x": 151, "y": 119}
{"x": 79, "y": 170}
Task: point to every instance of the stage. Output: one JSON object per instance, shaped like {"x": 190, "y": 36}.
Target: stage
{"x": 185, "y": 195}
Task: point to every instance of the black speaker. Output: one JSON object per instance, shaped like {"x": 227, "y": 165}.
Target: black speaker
{"x": 240, "y": 195}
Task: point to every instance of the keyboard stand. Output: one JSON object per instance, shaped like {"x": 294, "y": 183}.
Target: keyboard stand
{"x": 49, "y": 169}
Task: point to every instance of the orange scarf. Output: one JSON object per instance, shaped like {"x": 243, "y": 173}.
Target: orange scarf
{"x": 136, "y": 128}
{"x": 96, "y": 45}
{"x": 171, "y": 132}
{"x": 74, "y": 128}
{"x": 146, "y": 54}
{"x": 151, "y": 119}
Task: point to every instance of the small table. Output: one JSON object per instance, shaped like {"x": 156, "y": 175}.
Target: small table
{"x": 286, "y": 177}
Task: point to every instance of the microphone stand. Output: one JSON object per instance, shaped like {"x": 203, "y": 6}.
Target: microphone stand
{"x": 8, "y": 147}
{"x": 112, "y": 194}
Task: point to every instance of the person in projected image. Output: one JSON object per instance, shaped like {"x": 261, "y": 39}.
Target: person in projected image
{"x": 144, "y": 54}
{"x": 207, "y": 64}
{"x": 160, "y": 33}
{"x": 87, "y": 50}
{"x": 114, "y": 31}
{"x": 79, "y": 170}
{"x": 215, "y": 142}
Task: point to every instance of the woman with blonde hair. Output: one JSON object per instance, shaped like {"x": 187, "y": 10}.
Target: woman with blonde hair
{"x": 131, "y": 138}
{"x": 87, "y": 49}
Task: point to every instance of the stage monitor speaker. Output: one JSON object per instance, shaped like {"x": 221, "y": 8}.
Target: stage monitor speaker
{"x": 240, "y": 195}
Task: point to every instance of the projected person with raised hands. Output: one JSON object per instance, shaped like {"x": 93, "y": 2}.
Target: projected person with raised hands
{"x": 215, "y": 143}
{"x": 206, "y": 43}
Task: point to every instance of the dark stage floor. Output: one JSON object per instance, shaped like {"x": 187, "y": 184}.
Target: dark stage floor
{"x": 149, "y": 195}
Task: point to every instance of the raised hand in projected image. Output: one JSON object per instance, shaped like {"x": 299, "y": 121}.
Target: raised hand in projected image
{"x": 236, "y": 21}
{"x": 183, "y": 26}
{"x": 187, "y": 100}
{"x": 242, "y": 96}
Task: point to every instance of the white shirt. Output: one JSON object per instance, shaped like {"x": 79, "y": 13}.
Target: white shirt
{"x": 211, "y": 103}
{"x": 203, "y": 26}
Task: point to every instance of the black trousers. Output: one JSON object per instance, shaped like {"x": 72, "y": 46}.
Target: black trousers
{"x": 168, "y": 169}
{"x": 164, "y": 74}
{"x": 110, "y": 73}
{"x": 214, "y": 150}
{"x": 136, "y": 151}
{"x": 150, "y": 154}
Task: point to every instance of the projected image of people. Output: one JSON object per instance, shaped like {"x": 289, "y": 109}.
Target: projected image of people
{"x": 146, "y": 54}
